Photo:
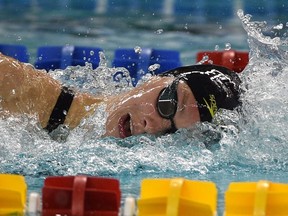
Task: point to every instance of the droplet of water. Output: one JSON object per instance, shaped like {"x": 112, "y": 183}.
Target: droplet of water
{"x": 137, "y": 49}
{"x": 159, "y": 31}
{"x": 240, "y": 13}
{"x": 103, "y": 61}
{"x": 141, "y": 72}
{"x": 92, "y": 53}
{"x": 227, "y": 46}
{"x": 118, "y": 76}
{"x": 153, "y": 67}
{"x": 278, "y": 27}
{"x": 204, "y": 59}
{"x": 216, "y": 47}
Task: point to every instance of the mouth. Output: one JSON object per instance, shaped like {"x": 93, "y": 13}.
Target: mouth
{"x": 125, "y": 126}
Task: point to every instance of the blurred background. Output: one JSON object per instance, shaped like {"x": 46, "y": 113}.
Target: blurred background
{"x": 183, "y": 25}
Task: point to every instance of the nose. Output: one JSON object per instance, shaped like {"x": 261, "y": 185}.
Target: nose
{"x": 153, "y": 124}
{"x": 150, "y": 121}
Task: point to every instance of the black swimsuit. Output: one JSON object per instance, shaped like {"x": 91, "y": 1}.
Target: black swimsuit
{"x": 60, "y": 109}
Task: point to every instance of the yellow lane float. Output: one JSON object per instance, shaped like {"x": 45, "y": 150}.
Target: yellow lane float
{"x": 256, "y": 199}
{"x": 13, "y": 191}
{"x": 178, "y": 196}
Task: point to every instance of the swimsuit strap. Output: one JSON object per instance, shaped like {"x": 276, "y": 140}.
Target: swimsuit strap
{"x": 60, "y": 109}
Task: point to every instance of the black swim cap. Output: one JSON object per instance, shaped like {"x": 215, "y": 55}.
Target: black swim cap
{"x": 213, "y": 87}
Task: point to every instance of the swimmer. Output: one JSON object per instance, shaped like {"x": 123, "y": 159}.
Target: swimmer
{"x": 176, "y": 99}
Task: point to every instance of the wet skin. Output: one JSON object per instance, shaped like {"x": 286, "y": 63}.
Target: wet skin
{"x": 135, "y": 112}
{"x": 26, "y": 90}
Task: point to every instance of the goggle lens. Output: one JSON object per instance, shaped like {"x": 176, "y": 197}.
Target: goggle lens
{"x": 167, "y": 101}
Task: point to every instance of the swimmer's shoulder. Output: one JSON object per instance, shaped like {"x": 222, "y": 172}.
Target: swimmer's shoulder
{"x": 83, "y": 106}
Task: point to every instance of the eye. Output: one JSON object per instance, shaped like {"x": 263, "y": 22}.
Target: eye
{"x": 167, "y": 102}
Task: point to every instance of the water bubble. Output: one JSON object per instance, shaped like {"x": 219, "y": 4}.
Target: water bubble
{"x": 141, "y": 72}
{"x": 137, "y": 49}
{"x": 216, "y": 47}
{"x": 204, "y": 59}
{"x": 153, "y": 67}
{"x": 103, "y": 61}
{"x": 278, "y": 27}
{"x": 240, "y": 13}
{"x": 87, "y": 108}
{"x": 186, "y": 26}
{"x": 159, "y": 31}
{"x": 118, "y": 76}
{"x": 92, "y": 53}
{"x": 227, "y": 46}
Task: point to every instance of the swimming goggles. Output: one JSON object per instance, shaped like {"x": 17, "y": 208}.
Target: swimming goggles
{"x": 167, "y": 104}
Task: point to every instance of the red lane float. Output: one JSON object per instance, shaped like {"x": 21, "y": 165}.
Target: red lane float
{"x": 80, "y": 195}
{"x": 234, "y": 60}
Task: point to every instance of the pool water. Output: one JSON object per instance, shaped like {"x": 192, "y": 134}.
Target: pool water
{"x": 248, "y": 145}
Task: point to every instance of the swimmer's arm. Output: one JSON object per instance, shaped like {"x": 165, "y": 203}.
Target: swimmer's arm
{"x": 24, "y": 89}
{"x": 83, "y": 106}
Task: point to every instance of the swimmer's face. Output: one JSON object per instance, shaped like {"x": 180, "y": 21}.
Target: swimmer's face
{"x": 135, "y": 112}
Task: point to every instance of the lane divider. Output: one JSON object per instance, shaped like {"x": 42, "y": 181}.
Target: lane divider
{"x": 88, "y": 195}
{"x": 137, "y": 61}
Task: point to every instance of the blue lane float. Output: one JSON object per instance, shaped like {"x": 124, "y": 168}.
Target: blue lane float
{"x": 18, "y": 52}
{"x": 60, "y": 57}
{"x": 138, "y": 61}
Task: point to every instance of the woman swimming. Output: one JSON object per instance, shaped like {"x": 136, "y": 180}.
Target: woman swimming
{"x": 178, "y": 98}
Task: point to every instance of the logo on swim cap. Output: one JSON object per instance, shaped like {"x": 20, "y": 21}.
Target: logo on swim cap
{"x": 212, "y": 107}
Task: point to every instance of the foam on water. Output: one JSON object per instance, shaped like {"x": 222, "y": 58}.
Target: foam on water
{"x": 251, "y": 140}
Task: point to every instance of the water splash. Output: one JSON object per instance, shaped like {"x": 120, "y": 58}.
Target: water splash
{"x": 254, "y": 138}
{"x": 263, "y": 135}
{"x": 99, "y": 81}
